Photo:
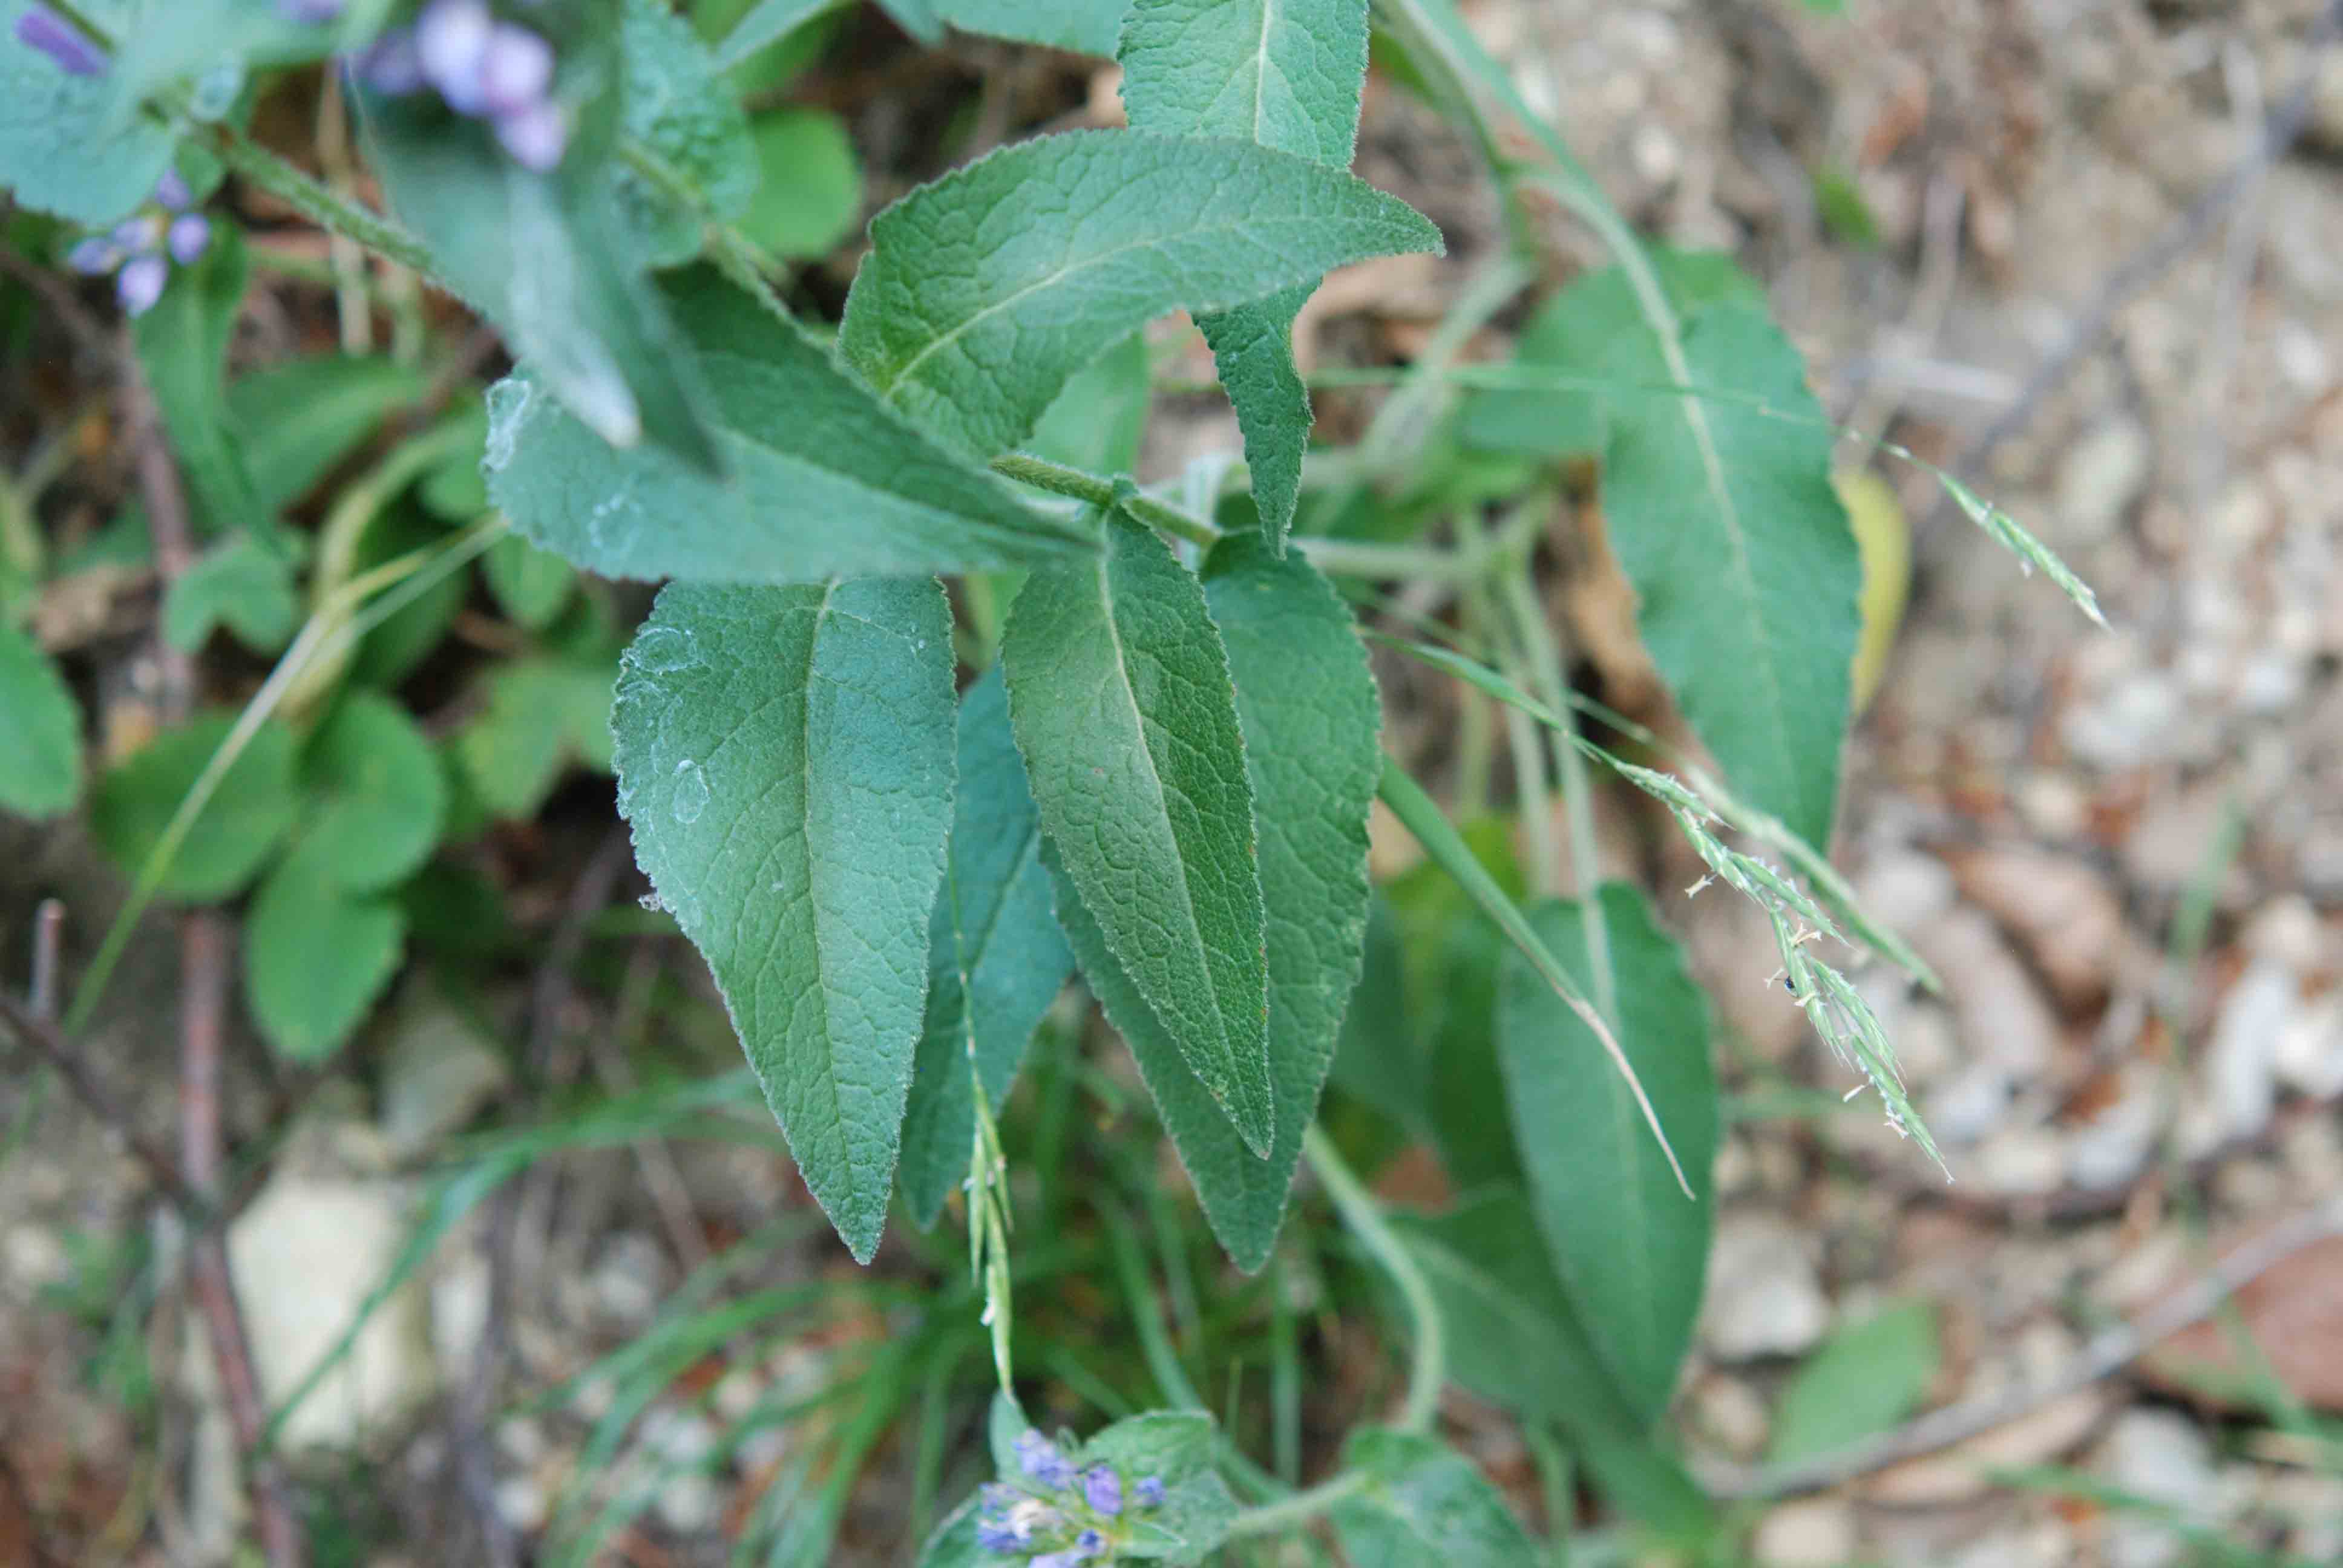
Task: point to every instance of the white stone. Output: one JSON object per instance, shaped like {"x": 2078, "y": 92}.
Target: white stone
{"x": 688, "y": 1500}
{"x": 2309, "y": 1055}
{"x": 1763, "y": 1297}
{"x": 307, "y": 1253}
{"x": 36, "y": 1258}
{"x": 1816, "y": 1532}
{"x": 2021, "y": 1161}
{"x": 521, "y": 1504}
{"x": 459, "y": 1309}
{"x": 437, "y": 1075}
{"x": 2160, "y": 1456}
{"x": 2102, "y": 474}
{"x": 2109, "y": 1149}
{"x": 628, "y": 1278}
{"x": 2240, "y": 1069}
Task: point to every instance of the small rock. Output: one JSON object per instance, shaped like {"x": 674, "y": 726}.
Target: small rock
{"x": 459, "y": 1309}
{"x": 1729, "y": 1413}
{"x": 2002, "y": 1016}
{"x": 1763, "y": 1297}
{"x": 2136, "y": 721}
{"x": 2059, "y": 908}
{"x": 1967, "y": 1106}
{"x": 2239, "y": 1080}
{"x": 1817, "y": 1533}
{"x": 309, "y": 1253}
{"x": 2021, "y": 1162}
{"x": 1906, "y": 889}
{"x": 522, "y": 1504}
{"x": 2109, "y": 1150}
{"x": 2104, "y": 473}
{"x": 2160, "y": 1456}
{"x": 36, "y": 1258}
{"x": 688, "y": 1500}
{"x": 437, "y": 1075}
{"x": 2055, "y": 805}
{"x": 2309, "y": 1054}
{"x": 628, "y": 1279}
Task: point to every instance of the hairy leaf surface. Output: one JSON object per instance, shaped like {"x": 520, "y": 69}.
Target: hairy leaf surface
{"x": 996, "y": 958}
{"x": 1630, "y": 1248}
{"x": 1124, "y": 709}
{"x": 63, "y": 148}
{"x": 826, "y": 479}
{"x": 1085, "y": 27}
{"x": 985, "y": 290}
{"x": 1307, "y": 704}
{"x": 784, "y": 758}
{"x": 1286, "y": 73}
{"x": 1424, "y": 1503}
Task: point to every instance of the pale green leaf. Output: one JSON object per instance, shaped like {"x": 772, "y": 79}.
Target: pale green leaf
{"x": 530, "y": 584}
{"x": 954, "y": 1545}
{"x": 237, "y": 584}
{"x": 63, "y": 150}
{"x": 1630, "y": 1246}
{"x": 550, "y": 260}
{"x": 985, "y": 290}
{"x": 1723, "y": 515}
{"x": 1178, "y": 1447}
{"x": 238, "y": 829}
{"x": 1127, "y": 716}
{"x": 182, "y": 345}
{"x": 996, "y": 957}
{"x": 541, "y": 716}
{"x": 810, "y": 198}
{"x": 1425, "y": 1503}
{"x": 1287, "y": 74}
{"x": 1307, "y": 705}
{"x": 919, "y": 18}
{"x": 1100, "y": 419}
{"x": 317, "y": 957}
{"x": 296, "y": 420}
{"x": 674, "y": 102}
{"x": 769, "y": 22}
{"x": 825, "y": 478}
{"x": 1085, "y": 27}
{"x": 40, "y": 730}
{"x": 1862, "y": 1380}
{"x": 377, "y": 793}
{"x": 785, "y": 758}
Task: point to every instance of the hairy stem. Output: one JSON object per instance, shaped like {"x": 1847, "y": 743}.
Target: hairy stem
{"x": 1299, "y": 1509}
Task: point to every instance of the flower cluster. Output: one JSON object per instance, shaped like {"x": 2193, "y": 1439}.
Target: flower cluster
{"x": 140, "y": 248}
{"x": 1070, "y": 1516}
{"x": 483, "y": 68}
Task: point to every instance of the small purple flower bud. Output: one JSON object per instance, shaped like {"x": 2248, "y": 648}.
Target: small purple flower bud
{"x": 451, "y": 39}
{"x": 1088, "y": 1544}
{"x": 190, "y": 233}
{"x": 172, "y": 191}
{"x": 392, "y": 65}
{"x": 1103, "y": 1488}
{"x": 139, "y": 235}
{"x": 1054, "y": 1560}
{"x": 42, "y": 28}
{"x": 536, "y": 135}
{"x": 95, "y": 256}
{"x": 1150, "y": 1490}
{"x": 1000, "y": 1499}
{"x": 313, "y": 12}
{"x": 1039, "y": 1458}
{"x": 140, "y": 283}
{"x": 995, "y": 1535}
{"x": 516, "y": 68}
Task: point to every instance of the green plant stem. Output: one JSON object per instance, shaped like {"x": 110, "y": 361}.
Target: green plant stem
{"x": 320, "y": 204}
{"x": 1299, "y": 1509}
{"x": 1364, "y": 1216}
{"x": 1074, "y": 483}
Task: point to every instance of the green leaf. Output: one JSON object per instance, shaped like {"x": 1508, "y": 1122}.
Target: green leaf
{"x": 238, "y": 828}
{"x": 548, "y": 259}
{"x": 1425, "y": 1503}
{"x": 768, "y": 22}
{"x": 182, "y": 344}
{"x": 1127, "y": 716}
{"x": 316, "y": 957}
{"x": 62, "y": 149}
{"x": 809, "y": 199}
{"x": 237, "y": 584}
{"x": 674, "y": 102}
{"x": 1380, "y": 1059}
{"x": 296, "y": 421}
{"x": 1085, "y": 27}
{"x": 40, "y": 730}
{"x": 1723, "y": 515}
{"x": 1286, "y": 73}
{"x": 1180, "y": 1447}
{"x": 826, "y": 479}
{"x": 996, "y": 958}
{"x": 954, "y": 1543}
{"x": 167, "y": 40}
{"x": 986, "y": 290}
{"x": 784, "y": 758}
{"x": 532, "y": 585}
{"x": 542, "y": 714}
{"x": 378, "y": 795}
{"x": 1100, "y": 419}
{"x": 1513, "y": 1339}
{"x": 1307, "y": 705}
{"x": 1629, "y": 1246}
{"x": 1864, "y": 1380}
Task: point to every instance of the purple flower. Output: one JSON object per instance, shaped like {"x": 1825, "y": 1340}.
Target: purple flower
{"x": 95, "y": 256}
{"x": 189, "y": 234}
{"x": 516, "y": 68}
{"x": 997, "y": 1535}
{"x": 140, "y": 283}
{"x": 536, "y": 135}
{"x": 451, "y": 39}
{"x": 60, "y": 40}
{"x": 1089, "y": 1545}
{"x": 1150, "y": 1490}
{"x": 172, "y": 191}
{"x": 138, "y": 234}
{"x": 392, "y": 65}
{"x": 1054, "y": 1560}
{"x": 311, "y": 11}
{"x": 1039, "y": 1458}
{"x": 1103, "y": 1488}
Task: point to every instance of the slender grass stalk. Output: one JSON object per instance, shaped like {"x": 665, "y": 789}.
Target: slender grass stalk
{"x": 1429, "y": 1368}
